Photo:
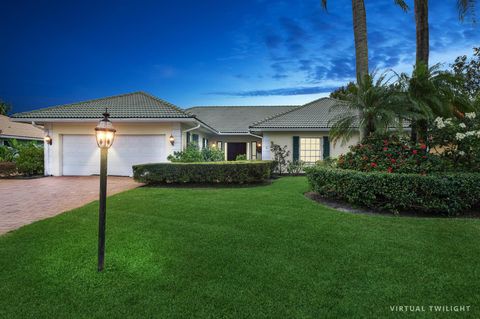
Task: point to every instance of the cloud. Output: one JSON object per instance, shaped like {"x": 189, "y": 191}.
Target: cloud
{"x": 281, "y": 91}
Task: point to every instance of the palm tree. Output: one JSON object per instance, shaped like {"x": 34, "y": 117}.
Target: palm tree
{"x": 465, "y": 7}
{"x": 431, "y": 92}
{"x": 374, "y": 107}
{"x": 361, "y": 41}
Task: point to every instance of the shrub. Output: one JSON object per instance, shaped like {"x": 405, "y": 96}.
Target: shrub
{"x": 441, "y": 194}
{"x": 457, "y": 141}
{"x": 389, "y": 153}
{"x": 7, "y": 153}
{"x": 280, "y": 155}
{"x": 7, "y": 168}
{"x": 203, "y": 173}
{"x": 212, "y": 154}
{"x": 295, "y": 167}
{"x": 241, "y": 157}
{"x": 30, "y": 159}
{"x": 192, "y": 154}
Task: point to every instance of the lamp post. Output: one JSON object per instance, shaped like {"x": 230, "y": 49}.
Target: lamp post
{"x": 105, "y": 133}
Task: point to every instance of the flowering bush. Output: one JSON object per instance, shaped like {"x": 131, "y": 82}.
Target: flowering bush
{"x": 389, "y": 153}
{"x": 457, "y": 141}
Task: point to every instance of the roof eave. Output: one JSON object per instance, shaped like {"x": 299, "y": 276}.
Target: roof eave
{"x": 88, "y": 120}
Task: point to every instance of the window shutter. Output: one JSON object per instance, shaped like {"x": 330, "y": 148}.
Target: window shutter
{"x": 296, "y": 148}
{"x": 326, "y": 147}
{"x": 188, "y": 138}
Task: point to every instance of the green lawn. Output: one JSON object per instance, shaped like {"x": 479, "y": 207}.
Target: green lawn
{"x": 258, "y": 252}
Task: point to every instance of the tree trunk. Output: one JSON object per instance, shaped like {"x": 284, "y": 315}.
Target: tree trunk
{"x": 423, "y": 50}
{"x": 361, "y": 45}
{"x": 421, "y": 21}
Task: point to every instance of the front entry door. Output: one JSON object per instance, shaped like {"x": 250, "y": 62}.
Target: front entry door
{"x": 234, "y": 149}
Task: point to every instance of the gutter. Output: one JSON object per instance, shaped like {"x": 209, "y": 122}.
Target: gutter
{"x": 193, "y": 128}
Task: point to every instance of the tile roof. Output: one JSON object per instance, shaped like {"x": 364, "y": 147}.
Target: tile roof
{"x": 236, "y": 119}
{"x": 131, "y": 105}
{"x": 12, "y": 129}
{"x": 314, "y": 115}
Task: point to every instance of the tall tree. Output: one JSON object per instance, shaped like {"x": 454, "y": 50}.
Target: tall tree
{"x": 361, "y": 42}
{"x": 465, "y": 7}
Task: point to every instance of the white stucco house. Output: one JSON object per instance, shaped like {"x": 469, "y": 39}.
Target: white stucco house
{"x": 145, "y": 125}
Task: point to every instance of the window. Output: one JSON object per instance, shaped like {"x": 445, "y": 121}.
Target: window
{"x": 220, "y": 145}
{"x": 310, "y": 149}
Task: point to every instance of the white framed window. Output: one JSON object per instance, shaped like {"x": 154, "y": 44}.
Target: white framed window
{"x": 310, "y": 149}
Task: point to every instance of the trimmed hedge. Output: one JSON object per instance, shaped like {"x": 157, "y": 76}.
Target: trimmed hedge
{"x": 440, "y": 194}
{"x": 204, "y": 172}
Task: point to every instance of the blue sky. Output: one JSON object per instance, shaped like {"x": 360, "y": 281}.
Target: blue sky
{"x": 205, "y": 52}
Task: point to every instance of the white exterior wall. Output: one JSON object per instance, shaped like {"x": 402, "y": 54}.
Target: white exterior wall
{"x": 53, "y": 153}
{"x": 286, "y": 138}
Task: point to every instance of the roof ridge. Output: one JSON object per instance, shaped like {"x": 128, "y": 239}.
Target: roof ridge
{"x": 76, "y": 103}
{"x": 233, "y": 106}
{"x": 163, "y": 101}
{"x": 278, "y": 115}
{"x": 294, "y": 109}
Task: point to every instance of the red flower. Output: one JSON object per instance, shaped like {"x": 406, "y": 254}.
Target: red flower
{"x": 393, "y": 160}
{"x": 385, "y": 148}
{"x": 373, "y": 165}
{"x": 423, "y": 146}
{"x": 414, "y": 151}
{"x": 424, "y": 157}
{"x": 390, "y": 169}
{"x": 385, "y": 142}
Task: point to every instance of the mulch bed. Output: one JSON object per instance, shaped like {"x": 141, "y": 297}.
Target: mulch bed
{"x": 349, "y": 208}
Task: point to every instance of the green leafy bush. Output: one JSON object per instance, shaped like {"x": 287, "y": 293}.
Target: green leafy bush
{"x": 295, "y": 167}
{"x": 389, "y": 153}
{"x": 7, "y": 168}
{"x": 203, "y": 173}
{"x": 7, "y": 153}
{"x": 241, "y": 157}
{"x": 192, "y": 154}
{"x": 30, "y": 159}
{"x": 436, "y": 193}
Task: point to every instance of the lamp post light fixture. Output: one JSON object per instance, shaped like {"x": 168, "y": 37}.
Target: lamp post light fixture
{"x": 105, "y": 134}
{"x": 172, "y": 139}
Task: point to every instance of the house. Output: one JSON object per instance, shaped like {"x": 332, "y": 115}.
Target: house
{"x": 149, "y": 129}
{"x": 18, "y": 131}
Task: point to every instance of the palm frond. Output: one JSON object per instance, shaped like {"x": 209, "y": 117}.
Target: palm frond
{"x": 402, "y": 4}
{"x": 466, "y": 8}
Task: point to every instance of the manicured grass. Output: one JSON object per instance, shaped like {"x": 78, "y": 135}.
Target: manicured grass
{"x": 259, "y": 252}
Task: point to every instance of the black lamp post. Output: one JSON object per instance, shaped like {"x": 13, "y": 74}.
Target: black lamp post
{"x": 105, "y": 133}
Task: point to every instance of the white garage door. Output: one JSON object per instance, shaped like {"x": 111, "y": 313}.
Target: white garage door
{"x": 81, "y": 156}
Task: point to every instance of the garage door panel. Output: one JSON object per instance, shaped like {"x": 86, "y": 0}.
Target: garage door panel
{"x": 81, "y": 155}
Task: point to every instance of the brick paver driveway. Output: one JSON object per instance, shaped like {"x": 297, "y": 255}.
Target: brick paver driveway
{"x": 25, "y": 201}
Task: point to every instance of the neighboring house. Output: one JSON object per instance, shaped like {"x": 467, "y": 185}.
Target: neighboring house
{"x": 18, "y": 131}
{"x": 145, "y": 124}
